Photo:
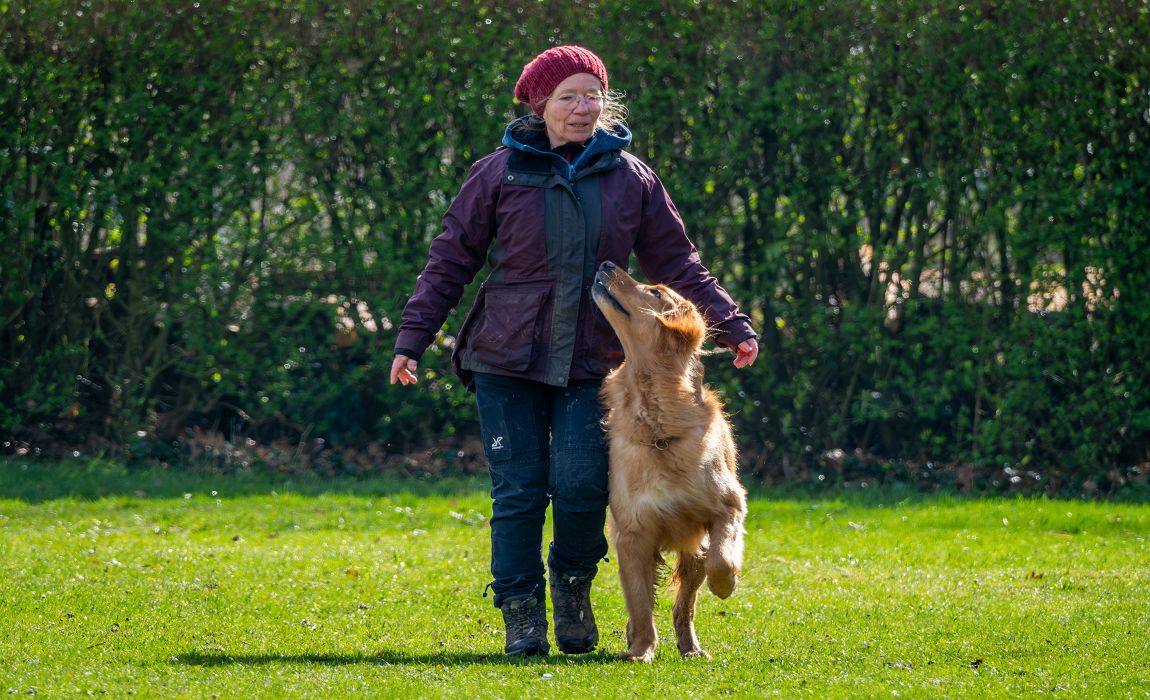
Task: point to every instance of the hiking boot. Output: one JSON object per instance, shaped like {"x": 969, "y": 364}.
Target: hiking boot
{"x": 575, "y": 630}
{"x": 525, "y": 618}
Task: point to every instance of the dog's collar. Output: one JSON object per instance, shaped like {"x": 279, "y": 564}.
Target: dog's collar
{"x": 660, "y": 443}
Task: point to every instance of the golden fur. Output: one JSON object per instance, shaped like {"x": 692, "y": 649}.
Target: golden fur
{"x": 673, "y": 476}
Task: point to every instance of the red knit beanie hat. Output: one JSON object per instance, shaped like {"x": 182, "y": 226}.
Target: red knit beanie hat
{"x": 553, "y": 66}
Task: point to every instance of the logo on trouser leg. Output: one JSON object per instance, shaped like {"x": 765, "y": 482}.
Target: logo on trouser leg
{"x": 497, "y": 443}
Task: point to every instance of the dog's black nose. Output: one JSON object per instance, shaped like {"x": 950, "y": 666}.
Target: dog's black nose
{"x": 607, "y": 266}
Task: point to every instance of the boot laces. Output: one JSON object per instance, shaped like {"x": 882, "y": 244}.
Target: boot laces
{"x": 572, "y": 590}
{"x": 522, "y": 618}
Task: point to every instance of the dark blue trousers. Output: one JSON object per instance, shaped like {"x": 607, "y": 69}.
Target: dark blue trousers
{"x": 545, "y": 446}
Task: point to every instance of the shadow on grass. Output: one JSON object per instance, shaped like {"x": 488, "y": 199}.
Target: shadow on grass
{"x": 38, "y": 481}
{"x": 387, "y": 658}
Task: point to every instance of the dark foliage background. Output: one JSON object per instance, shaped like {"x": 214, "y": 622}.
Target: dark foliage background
{"x": 212, "y": 214}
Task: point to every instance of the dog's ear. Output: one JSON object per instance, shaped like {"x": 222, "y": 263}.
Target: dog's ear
{"x": 685, "y": 327}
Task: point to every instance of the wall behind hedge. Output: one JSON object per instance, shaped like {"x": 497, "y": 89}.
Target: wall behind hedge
{"x": 212, "y": 214}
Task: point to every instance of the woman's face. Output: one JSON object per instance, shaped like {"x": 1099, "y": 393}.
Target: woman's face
{"x": 573, "y": 109}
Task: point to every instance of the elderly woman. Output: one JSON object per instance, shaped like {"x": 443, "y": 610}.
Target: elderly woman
{"x": 542, "y": 213}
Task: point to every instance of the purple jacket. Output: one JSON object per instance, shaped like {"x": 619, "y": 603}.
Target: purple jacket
{"x": 543, "y": 226}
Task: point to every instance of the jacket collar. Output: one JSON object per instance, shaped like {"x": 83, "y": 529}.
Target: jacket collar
{"x": 523, "y": 136}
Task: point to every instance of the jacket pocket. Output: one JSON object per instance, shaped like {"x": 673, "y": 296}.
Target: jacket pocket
{"x": 507, "y": 334}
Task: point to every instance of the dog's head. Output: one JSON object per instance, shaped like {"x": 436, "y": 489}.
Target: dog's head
{"x": 650, "y": 319}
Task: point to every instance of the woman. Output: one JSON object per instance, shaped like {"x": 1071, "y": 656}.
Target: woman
{"x": 559, "y": 198}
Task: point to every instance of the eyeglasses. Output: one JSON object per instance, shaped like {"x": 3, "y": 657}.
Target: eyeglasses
{"x": 568, "y": 101}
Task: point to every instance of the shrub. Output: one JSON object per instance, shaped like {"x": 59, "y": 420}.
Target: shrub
{"x": 936, "y": 216}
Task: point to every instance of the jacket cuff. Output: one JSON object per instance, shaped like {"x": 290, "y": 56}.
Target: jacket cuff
{"x": 408, "y": 353}
{"x": 412, "y": 343}
{"x": 731, "y": 337}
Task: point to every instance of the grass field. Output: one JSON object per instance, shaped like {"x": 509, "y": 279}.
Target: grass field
{"x": 160, "y": 584}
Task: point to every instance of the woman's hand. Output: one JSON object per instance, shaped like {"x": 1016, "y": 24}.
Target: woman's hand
{"x": 403, "y": 370}
{"x": 745, "y": 354}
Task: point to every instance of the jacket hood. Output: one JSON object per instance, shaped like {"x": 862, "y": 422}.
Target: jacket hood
{"x": 524, "y": 135}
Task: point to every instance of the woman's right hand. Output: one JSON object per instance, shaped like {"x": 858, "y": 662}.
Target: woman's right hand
{"x": 403, "y": 370}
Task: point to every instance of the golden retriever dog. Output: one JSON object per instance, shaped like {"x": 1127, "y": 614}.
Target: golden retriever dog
{"x": 673, "y": 480}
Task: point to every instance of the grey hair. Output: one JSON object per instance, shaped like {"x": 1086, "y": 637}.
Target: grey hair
{"x": 614, "y": 112}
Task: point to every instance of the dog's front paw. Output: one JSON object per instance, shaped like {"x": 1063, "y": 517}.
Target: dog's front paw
{"x": 695, "y": 653}
{"x": 644, "y": 655}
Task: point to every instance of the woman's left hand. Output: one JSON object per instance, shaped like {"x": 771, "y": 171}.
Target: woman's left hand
{"x": 746, "y": 353}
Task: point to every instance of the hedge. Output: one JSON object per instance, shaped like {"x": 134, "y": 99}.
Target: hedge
{"x": 937, "y": 216}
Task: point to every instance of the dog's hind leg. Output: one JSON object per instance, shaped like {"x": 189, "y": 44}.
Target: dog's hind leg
{"x": 725, "y": 556}
{"x": 638, "y": 563}
{"x": 690, "y": 574}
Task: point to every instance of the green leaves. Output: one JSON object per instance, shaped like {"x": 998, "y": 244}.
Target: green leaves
{"x": 865, "y": 178}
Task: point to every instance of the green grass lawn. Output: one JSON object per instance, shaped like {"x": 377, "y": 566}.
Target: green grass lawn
{"x": 162, "y": 584}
